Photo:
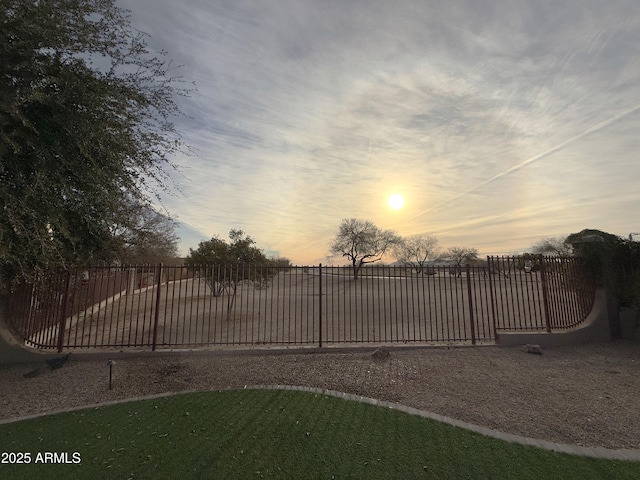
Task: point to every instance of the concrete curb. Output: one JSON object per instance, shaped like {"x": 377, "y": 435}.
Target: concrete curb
{"x": 595, "y": 328}
{"x": 594, "y": 452}
{"x": 12, "y": 351}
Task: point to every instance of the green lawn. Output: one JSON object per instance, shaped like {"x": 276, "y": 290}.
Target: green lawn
{"x": 276, "y": 434}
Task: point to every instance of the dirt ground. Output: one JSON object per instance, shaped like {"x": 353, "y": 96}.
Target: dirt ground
{"x": 379, "y": 310}
{"x": 585, "y": 395}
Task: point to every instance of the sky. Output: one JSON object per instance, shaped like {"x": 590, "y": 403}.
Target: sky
{"x": 499, "y": 122}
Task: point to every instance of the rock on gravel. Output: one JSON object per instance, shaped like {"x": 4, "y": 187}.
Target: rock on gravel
{"x": 583, "y": 395}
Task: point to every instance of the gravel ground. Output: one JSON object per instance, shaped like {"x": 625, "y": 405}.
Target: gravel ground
{"x": 583, "y": 395}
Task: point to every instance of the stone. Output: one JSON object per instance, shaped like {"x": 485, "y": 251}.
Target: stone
{"x": 380, "y": 354}
{"x": 533, "y": 349}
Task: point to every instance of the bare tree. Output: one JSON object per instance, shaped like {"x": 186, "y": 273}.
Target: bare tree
{"x": 362, "y": 242}
{"x": 552, "y": 246}
{"x": 417, "y": 250}
{"x": 150, "y": 236}
{"x": 460, "y": 256}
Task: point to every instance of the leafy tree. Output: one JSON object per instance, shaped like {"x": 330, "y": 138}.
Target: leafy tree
{"x": 283, "y": 263}
{"x": 630, "y": 276}
{"x": 85, "y": 125}
{"x": 362, "y": 242}
{"x": 613, "y": 263}
{"x": 417, "y": 250}
{"x": 597, "y": 249}
{"x": 240, "y": 249}
{"x": 226, "y": 265}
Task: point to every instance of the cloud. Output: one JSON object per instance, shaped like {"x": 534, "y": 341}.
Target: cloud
{"x": 307, "y": 112}
{"x": 595, "y": 128}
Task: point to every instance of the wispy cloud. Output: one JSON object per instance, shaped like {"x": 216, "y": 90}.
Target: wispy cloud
{"x": 499, "y": 122}
{"x": 535, "y": 158}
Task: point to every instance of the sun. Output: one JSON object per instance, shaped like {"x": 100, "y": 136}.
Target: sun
{"x": 396, "y": 201}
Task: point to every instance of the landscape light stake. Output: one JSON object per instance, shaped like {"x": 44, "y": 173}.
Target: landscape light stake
{"x": 111, "y": 363}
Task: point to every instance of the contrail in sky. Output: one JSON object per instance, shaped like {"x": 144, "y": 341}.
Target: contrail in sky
{"x": 594, "y": 128}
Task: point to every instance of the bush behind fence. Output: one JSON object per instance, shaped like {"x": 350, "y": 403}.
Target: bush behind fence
{"x": 156, "y": 306}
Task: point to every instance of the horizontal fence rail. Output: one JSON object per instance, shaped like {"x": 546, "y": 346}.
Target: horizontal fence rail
{"x": 156, "y": 306}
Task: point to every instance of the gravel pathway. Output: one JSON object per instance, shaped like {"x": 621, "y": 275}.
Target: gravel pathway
{"x": 582, "y": 395}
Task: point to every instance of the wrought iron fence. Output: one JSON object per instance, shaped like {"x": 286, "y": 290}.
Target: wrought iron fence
{"x": 155, "y": 306}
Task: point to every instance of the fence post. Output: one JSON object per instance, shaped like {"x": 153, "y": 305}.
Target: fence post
{"x": 320, "y": 304}
{"x": 157, "y": 312}
{"x": 492, "y": 298}
{"x": 63, "y": 314}
{"x": 131, "y": 280}
{"x": 473, "y": 326}
{"x": 545, "y": 299}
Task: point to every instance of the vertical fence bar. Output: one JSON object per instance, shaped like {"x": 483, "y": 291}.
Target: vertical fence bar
{"x": 291, "y": 296}
{"x": 545, "y": 299}
{"x": 471, "y": 317}
{"x": 492, "y": 300}
{"x": 156, "y": 313}
{"x": 382, "y": 310}
{"x": 320, "y": 305}
{"x": 22, "y": 308}
{"x": 63, "y": 313}
{"x": 311, "y": 329}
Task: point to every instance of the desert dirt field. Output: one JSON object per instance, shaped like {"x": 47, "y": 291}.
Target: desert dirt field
{"x": 301, "y": 307}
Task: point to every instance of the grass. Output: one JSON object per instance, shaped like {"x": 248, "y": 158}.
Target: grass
{"x": 276, "y": 434}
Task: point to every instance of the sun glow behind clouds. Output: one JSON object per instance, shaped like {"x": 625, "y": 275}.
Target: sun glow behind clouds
{"x": 496, "y": 125}
{"x": 396, "y": 201}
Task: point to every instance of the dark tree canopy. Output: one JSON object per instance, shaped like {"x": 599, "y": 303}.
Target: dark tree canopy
{"x": 85, "y": 126}
{"x": 614, "y": 263}
{"x": 241, "y": 249}
{"x": 225, "y": 265}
